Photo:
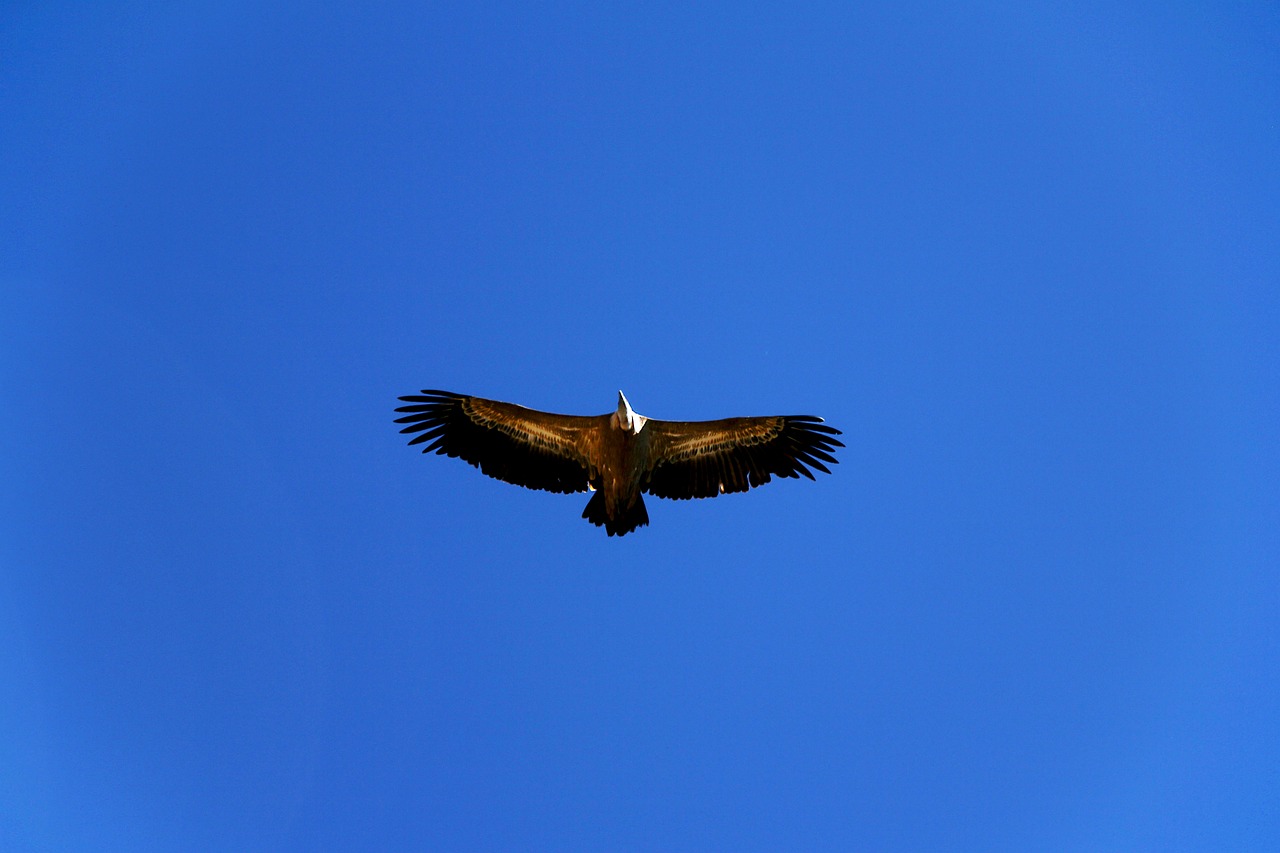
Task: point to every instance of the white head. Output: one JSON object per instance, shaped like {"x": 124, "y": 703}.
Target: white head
{"x": 626, "y": 418}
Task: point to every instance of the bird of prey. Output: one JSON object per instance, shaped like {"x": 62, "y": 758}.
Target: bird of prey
{"x": 620, "y": 455}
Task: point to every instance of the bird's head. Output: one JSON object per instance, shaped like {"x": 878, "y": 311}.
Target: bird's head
{"x": 625, "y": 417}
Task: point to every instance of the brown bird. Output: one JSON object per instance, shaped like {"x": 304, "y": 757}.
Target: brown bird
{"x": 619, "y": 455}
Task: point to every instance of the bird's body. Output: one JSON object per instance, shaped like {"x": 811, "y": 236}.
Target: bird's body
{"x": 619, "y": 456}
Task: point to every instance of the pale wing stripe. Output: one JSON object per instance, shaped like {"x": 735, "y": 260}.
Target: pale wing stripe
{"x": 696, "y": 445}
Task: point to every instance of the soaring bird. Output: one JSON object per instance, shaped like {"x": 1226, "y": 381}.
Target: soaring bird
{"x": 619, "y": 455}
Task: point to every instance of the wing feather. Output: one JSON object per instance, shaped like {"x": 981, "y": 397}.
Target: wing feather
{"x": 537, "y": 450}
{"x": 702, "y": 459}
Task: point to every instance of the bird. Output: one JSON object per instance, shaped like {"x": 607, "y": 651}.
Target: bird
{"x": 619, "y": 456}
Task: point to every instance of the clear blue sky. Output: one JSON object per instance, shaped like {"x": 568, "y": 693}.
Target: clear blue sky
{"x": 1026, "y": 256}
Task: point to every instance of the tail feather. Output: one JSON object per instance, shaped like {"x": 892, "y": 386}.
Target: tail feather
{"x": 624, "y": 520}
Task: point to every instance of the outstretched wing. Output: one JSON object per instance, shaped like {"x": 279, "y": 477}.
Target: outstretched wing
{"x": 534, "y": 449}
{"x": 702, "y": 459}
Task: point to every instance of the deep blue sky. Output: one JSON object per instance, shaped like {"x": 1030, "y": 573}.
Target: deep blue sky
{"x": 1025, "y": 255}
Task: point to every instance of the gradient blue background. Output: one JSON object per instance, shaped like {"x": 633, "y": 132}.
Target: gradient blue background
{"x": 1025, "y": 255}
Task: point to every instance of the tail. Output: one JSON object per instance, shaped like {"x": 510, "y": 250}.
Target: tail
{"x": 624, "y": 520}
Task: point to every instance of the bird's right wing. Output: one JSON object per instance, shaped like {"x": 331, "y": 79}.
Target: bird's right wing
{"x": 702, "y": 459}
{"x": 537, "y": 450}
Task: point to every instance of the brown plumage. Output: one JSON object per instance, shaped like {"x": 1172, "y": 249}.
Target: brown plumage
{"x": 619, "y": 455}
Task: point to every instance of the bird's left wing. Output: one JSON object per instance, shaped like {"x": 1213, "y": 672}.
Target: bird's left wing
{"x": 537, "y": 450}
{"x": 702, "y": 459}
